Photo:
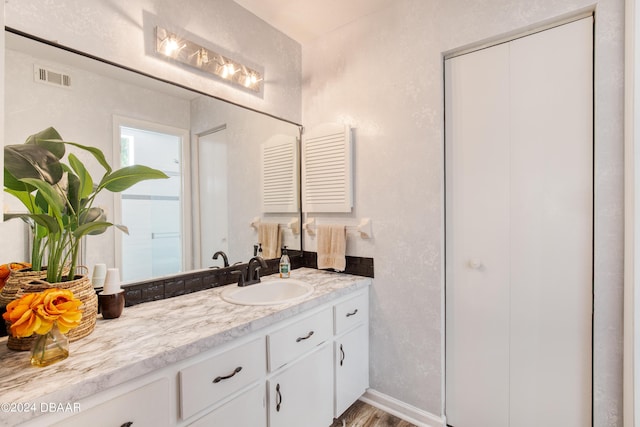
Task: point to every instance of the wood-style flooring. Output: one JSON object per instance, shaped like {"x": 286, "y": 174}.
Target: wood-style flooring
{"x": 362, "y": 415}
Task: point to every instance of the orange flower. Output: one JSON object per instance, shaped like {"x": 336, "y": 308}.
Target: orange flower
{"x": 23, "y": 317}
{"x": 37, "y": 312}
{"x": 63, "y": 307}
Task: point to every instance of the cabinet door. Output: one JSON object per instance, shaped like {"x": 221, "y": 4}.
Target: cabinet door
{"x": 145, "y": 406}
{"x": 300, "y": 395}
{"x": 351, "y": 360}
{"x": 246, "y": 410}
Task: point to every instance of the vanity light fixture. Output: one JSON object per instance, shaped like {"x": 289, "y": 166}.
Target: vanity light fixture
{"x": 172, "y": 46}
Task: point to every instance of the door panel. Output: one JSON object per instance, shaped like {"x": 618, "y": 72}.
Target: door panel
{"x": 519, "y": 154}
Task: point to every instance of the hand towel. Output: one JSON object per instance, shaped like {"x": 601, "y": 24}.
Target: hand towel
{"x": 332, "y": 245}
{"x": 269, "y": 236}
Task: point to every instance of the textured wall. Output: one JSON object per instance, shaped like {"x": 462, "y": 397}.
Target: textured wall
{"x": 31, "y": 107}
{"x": 122, "y": 31}
{"x": 383, "y": 75}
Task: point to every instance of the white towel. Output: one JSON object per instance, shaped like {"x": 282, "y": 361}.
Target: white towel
{"x": 269, "y": 236}
{"x": 332, "y": 245}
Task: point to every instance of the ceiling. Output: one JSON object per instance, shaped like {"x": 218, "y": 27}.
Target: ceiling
{"x": 306, "y": 20}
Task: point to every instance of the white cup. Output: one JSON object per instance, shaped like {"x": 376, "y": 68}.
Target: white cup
{"x": 111, "y": 282}
{"x": 99, "y": 274}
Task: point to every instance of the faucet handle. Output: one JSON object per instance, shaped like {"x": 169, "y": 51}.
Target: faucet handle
{"x": 241, "y": 276}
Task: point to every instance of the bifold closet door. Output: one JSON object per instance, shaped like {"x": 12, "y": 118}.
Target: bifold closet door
{"x": 519, "y": 185}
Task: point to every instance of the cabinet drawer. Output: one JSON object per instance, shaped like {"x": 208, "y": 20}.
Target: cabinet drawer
{"x": 351, "y": 312}
{"x": 293, "y": 340}
{"x": 204, "y": 383}
{"x": 145, "y": 406}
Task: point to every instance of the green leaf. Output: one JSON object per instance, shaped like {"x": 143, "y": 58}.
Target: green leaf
{"x": 73, "y": 191}
{"x": 32, "y": 161}
{"x": 92, "y": 228}
{"x": 13, "y": 183}
{"x": 92, "y": 215}
{"x": 44, "y": 220}
{"x": 56, "y": 203}
{"x": 128, "y": 176}
{"x": 25, "y": 197}
{"x": 86, "y": 182}
{"x": 48, "y": 139}
{"x": 97, "y": 153}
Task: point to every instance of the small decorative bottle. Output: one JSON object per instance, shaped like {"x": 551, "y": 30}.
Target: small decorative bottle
{"x": 285, "y": 265}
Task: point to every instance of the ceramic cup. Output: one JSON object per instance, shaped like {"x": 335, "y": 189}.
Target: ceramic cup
{"x": 99, "y": 274}
{"x": 111, "y": 305}
{"x": 112, "y": 282}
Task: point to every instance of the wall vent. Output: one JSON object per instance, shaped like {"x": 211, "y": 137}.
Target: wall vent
{"x": 51, "y": 77}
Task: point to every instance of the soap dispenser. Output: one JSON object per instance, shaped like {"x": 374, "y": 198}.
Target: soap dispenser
{"x": 285, "y": 265}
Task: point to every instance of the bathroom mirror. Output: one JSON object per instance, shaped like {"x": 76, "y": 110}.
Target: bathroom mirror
{"x": 215, "y": 170}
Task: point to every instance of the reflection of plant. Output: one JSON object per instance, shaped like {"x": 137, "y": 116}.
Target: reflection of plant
{"x": 60, "y": 197}
{"x": 37, "y": 312}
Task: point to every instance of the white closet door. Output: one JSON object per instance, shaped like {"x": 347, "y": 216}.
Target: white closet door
{"x": 519, "y": 232}
{"x": 477, "y": 240}
{"x": 551, "y": 227}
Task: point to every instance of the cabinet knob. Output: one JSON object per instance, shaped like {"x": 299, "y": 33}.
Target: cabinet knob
{"x": 475, "y": 264}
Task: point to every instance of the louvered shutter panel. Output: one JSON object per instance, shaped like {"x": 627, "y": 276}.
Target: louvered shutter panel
{"x": 280, "y": 174}
{"x": 327, "y": 169}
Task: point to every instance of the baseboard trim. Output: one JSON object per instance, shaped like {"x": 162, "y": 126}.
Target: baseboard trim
{"x": 401, "y": 410}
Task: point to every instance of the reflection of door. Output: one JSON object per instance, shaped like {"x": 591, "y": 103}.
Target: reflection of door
{"x": 212, "y": 180}
{"x": 152, "y": 210}
{"x": 519, "y": 232}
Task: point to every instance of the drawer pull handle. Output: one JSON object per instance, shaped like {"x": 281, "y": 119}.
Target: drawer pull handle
{"x": 235, "y": 371}
{"x": 341, "y": 355}
{"x": 353, "y": 313}
{"x": 304, "y": 338}
{"x": 127, "y": 424}
{"x": 278, "y": 398}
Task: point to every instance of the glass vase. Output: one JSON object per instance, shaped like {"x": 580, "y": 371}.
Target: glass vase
{"x": 49, "y": 348}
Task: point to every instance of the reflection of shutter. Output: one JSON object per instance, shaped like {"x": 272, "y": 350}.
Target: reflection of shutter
{"x": 280, "y": 174}
{"x": 326, "y": 169}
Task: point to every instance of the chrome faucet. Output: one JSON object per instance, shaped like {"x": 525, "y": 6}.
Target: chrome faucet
{"x": 224, "y": 257}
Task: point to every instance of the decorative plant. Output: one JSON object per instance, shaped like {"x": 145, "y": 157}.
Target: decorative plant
{"x": 59, "y": 197}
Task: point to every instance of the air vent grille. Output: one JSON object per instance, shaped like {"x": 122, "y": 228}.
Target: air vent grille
{"x": 52, "y": 77}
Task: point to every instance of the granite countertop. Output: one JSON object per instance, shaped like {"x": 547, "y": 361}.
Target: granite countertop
{"x": 151, "y": 336}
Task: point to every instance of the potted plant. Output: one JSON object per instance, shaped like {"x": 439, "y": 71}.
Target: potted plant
{"x": 60, "y": 197}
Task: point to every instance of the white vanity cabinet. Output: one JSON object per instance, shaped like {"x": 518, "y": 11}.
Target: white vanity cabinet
{"x": 302, "y": 370}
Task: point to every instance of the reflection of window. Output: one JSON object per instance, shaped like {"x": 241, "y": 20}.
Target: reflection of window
{"x": 152, "y": 210}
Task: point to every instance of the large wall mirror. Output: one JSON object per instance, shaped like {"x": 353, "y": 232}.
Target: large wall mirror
{"x": 211, "y": 149}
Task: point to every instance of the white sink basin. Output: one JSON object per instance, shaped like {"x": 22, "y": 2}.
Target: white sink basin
{"x": 269, "y": 292}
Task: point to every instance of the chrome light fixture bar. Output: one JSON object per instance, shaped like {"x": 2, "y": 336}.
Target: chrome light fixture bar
{"x": 187, "y": 52}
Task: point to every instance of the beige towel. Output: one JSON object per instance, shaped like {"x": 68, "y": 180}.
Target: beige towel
{"x": 269, "y": 236}
{"x": 332, "y": 244}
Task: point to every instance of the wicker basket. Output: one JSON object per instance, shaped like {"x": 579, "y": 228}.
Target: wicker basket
{"x": 15, "y": 281}
{"x": 82, "y": 289}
